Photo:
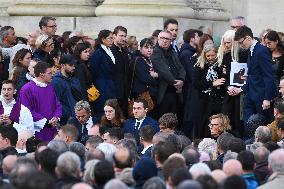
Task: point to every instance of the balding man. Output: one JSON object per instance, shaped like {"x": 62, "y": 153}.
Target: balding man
{"x": 81, "y": 185}
{"x": 8, "y": 164}
{"x": 171, "y": 73}
{"x": 218, "y": 175}
{"x": 233, "y": 167}
{"x": 32, "y": 39}
{"x": 123, "y": 158}
{"x": 275, "y": 162}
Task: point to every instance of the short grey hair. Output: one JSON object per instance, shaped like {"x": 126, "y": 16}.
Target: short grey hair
{"x": 4, "y": 31}
{"x": 263, "y": 134}
{"x": 58, "y": 146}
{"x": 78, "y": 148}
{"x": 82, "y": 105}
{"x": 209, "y": 146}
{"x": 261, "y": 154}
{"x": 241, "y": 19}
{"x": 68, "y": 164}
{"x": 115, "y": 184}
{"x": 230, "y": 155}
{"x": 275, "y": 161}
{"x": 108, "y": 149}
{"x": 199, "y": 169}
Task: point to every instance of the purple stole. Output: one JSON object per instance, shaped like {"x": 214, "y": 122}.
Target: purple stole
{"x": 15, "y": 112}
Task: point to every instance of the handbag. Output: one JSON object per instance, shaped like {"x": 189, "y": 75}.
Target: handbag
{"x": 145, "y": 96}
{"x": 93, "y": 93}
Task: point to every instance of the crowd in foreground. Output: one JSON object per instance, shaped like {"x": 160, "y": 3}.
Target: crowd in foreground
{"x": 78, "y": 112}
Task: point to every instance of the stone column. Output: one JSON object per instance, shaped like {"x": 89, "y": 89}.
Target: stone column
{"x": 149, "y": 8}
{"x": 4, "y": 4}
{"x": 64, "y": 8}
{"x": 208, "y": 9}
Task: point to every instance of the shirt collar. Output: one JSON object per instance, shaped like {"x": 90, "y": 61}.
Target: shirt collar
{"x": 89, "y": 123}
{"x": 140, "y": 121}
{"x": 252, "y": 47}
{"x": 38, "y": 83}
{"x": 29, "y": 77}
{"x": 145, "y": 149}
{"x": 11, "y": 104}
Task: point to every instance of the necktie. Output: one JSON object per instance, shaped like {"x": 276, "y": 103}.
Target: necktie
{"x": 84, "y": 136}
{"x": 138, "y": 123}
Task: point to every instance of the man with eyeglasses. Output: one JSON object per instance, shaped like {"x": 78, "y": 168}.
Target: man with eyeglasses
{"x": 237, "y": 22}
{"x": 259, "y": 88}
{"x": 47, "y": 25}
{"x": 171, "y": 74}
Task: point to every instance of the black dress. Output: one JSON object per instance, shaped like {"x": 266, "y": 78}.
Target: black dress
{"x": 232, "y": 104}
{"x": 206, "y": 100}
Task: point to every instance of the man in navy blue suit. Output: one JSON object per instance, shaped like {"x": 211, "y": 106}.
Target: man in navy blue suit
{"x": 259, "y": 89}
{"x": 146, "y": 138}
{"x": 133, "y": 125}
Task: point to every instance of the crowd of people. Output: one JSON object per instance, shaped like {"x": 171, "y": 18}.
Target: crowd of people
{"x": 199, "y": 112}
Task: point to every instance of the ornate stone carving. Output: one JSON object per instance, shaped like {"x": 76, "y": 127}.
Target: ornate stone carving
{"x": 208, "y": 9}
{"x": 62, "y": 8}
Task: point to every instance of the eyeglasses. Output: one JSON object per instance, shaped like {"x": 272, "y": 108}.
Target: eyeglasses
{"x": 54, "y": 26}
{"x": 165, "y": 38}
{"x": 212, "y": 125}
{"x": 241, "y": 42}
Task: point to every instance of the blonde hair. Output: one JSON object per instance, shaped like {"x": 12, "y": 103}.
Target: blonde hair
{"x": 224, "y": 121}
{"x": 202, "y": 59}
{"x": 42, "y": 41}
{"x": 229, "y": 34}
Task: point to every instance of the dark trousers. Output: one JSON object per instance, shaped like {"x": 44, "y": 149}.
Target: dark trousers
{"x": 251, "y": 107}
{"x": 168, "y": 104}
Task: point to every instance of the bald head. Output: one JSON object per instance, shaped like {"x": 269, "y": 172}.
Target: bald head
{"x": 81, "y": 185}
{"x": 123, "y": 158}
{"x": 218, "y": 175}
{"x": 233, "y": 167}
{"x": 8, "y": 164}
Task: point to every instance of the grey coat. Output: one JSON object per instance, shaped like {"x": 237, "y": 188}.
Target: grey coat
{"x": 161, "y": 64}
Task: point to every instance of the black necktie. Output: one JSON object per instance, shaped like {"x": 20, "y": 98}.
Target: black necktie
{"x": 138, "y": 123}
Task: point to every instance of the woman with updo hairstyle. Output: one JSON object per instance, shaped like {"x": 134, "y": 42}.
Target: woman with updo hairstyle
{"x": 228, "y": 52}
{"x": 82, "y": 70}
{"x": 113, "y": 116}
{"x": 44, "y": 45}
{"x": 143, "y": 75}
{"x": 205, "y": 39}
{"x": 276, "y": 47}
{"x": 208, "y": 90}
{"x": 102, "y": 66}
{"x": 21, "y": 63}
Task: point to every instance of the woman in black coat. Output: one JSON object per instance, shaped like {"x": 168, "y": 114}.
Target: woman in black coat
{"x": 229, "y": 52}
{"x": 144, "y": 78}
{"x": 208, "y": 90}
{"x": 102, "y": 68}
{"x": 82, "y": 70}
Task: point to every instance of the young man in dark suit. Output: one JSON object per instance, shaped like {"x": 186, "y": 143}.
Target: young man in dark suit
{"x": 133, "y": 125}
{"x": 259, "y": 88}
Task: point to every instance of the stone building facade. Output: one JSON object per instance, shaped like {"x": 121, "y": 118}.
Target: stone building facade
{"x": 141, "y": 17}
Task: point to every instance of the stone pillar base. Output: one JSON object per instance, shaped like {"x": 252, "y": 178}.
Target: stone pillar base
{"x": 151, "y": 10}
{"x": 51, "y": 10}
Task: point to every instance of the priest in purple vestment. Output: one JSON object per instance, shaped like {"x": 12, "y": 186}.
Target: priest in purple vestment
{"x": 39, "y": 97}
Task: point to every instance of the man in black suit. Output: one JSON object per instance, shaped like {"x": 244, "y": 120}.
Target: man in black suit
{"x": 171, "y": 74}
{"x": 259, "y": 88}
{"x": 121, "y": 74}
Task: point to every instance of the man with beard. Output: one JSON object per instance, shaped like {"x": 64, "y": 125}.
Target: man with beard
{"x": 67, "y": 87}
